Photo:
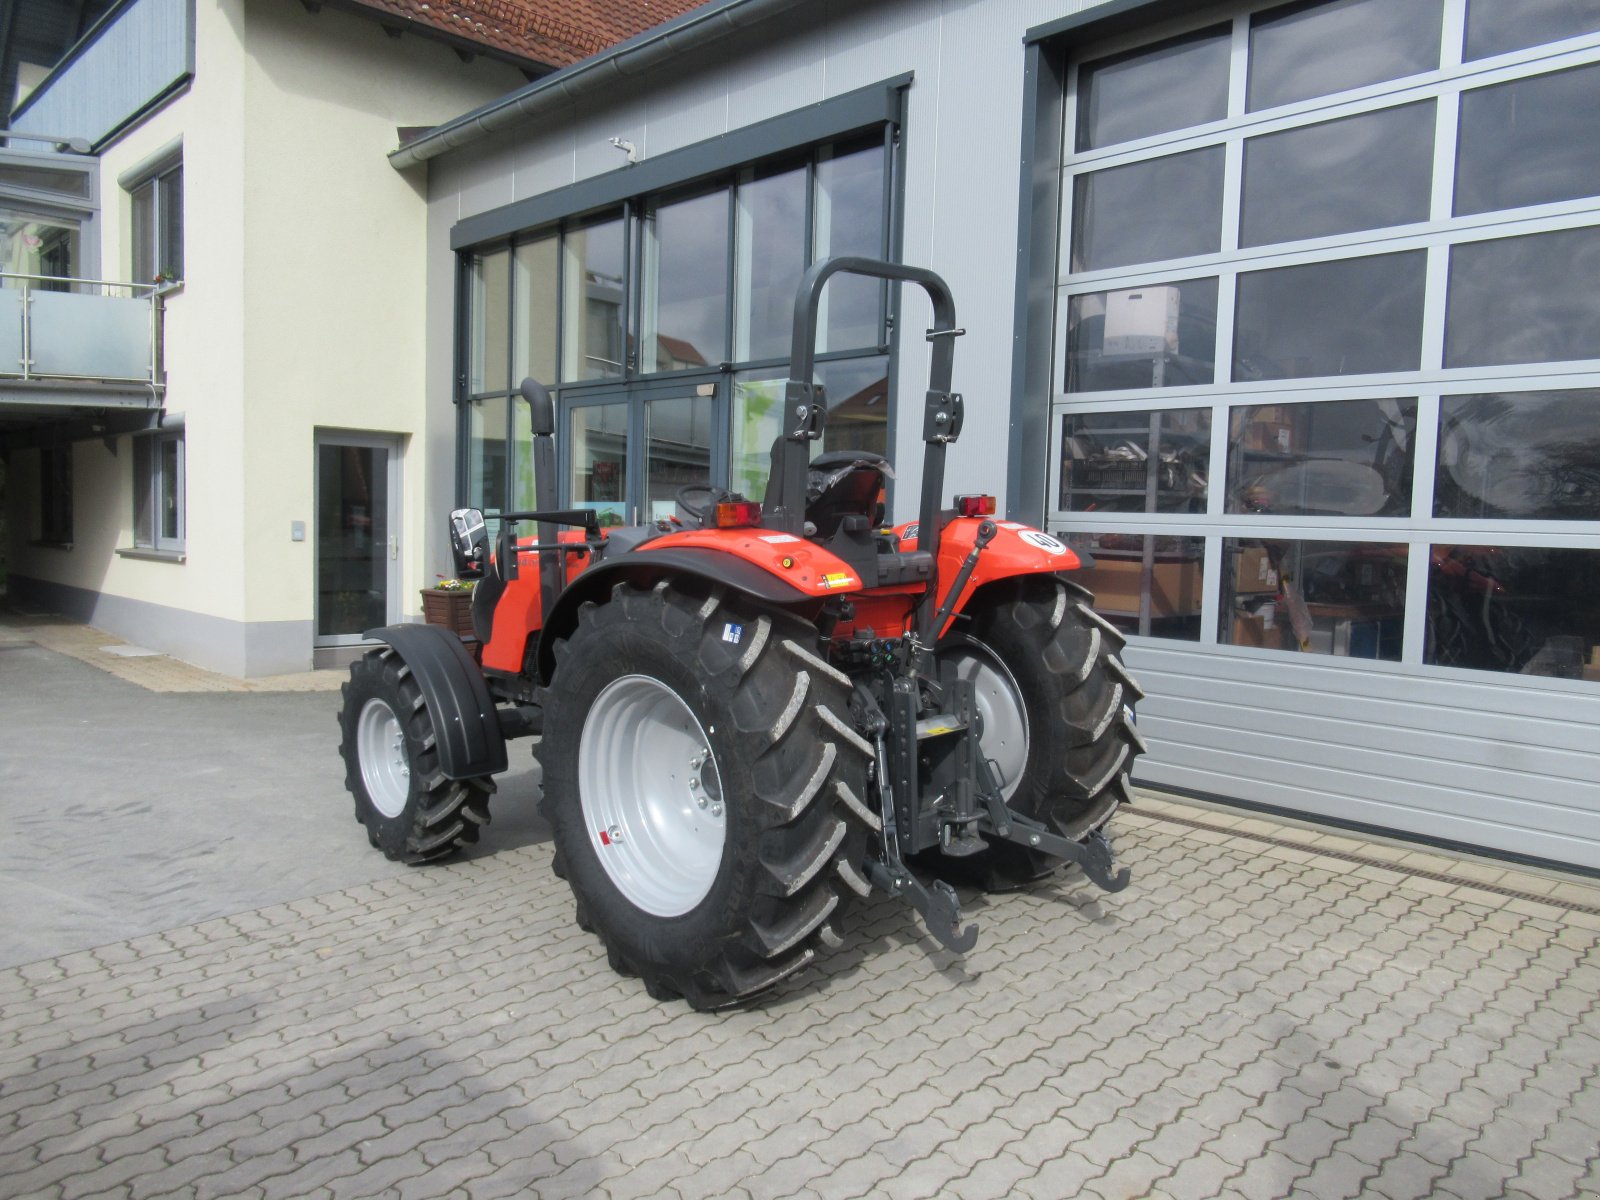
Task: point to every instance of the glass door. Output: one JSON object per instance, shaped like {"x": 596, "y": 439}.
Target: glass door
{"x": 357, "y": 535}
{"x": 629, "y": 453}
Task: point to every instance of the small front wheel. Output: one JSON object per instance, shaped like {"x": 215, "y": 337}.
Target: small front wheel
{"x": 410, "y": 810}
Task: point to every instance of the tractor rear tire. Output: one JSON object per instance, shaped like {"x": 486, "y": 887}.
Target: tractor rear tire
{"x": 411, "y": 811}
{"x": 1044, "y": 660}
{"x": 706, "y": 790}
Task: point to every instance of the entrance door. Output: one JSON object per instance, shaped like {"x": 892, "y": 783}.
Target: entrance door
{"x": 358, "y": 543}
{"x": 628, "y": 454}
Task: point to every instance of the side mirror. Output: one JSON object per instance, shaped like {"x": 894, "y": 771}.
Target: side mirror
{"x": 544, "y": 408}
{"x": 469, "y": 542}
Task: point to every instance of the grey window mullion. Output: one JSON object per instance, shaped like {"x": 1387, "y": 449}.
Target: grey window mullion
{"x": 1414, "y": 619}
{"x": 1453, "y": 34}
{"x": 1448, "y": 109}
{"x": 1211, "y": 586}
{"x": 1434, "y": 297}
{"x": 1239, "y": 67}
{"x": 730, "y": 286}
{"x": 1232, "y": 193}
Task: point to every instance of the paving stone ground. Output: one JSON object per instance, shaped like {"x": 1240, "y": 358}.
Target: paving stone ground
{"x": 1270, "y": 1010}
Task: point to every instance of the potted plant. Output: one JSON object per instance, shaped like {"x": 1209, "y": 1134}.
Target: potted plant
{"x": 449, "y": 603}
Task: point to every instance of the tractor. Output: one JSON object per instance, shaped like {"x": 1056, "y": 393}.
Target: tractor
{"x": 749, "y": 713}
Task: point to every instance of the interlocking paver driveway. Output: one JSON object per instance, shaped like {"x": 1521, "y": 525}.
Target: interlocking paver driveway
{"x": 1246, "y": 1020}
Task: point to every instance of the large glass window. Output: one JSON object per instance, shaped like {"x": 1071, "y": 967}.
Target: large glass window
{"x": 849, "y": 219}
{"x": 1500, "y": 26}
{"x": 770, "y": 253}
{"x": 1176, "y": 83}
{"x": 1361, "y": 172}
{"x": 1532, "y": 456}
{"x": 1523, "y": 610}
{"x": 486, "y": 453}
{"x": 685, "y": 318}
{"x": 857, "y": 394}
{"x": 593, "y": 296}
{"x": 1163, "y": 208}
{"x": 1142, "y": 461}
{"x": 1298, "y": 51}
{"x": 1163, "y": 335}
{"x": 55, "y": 495}
{"x": 1524, "y": 299}
{"x": 1530, "y": 141}
{"x": 679, "y": 431}
{"x": 1350, "y": 316}
{"x": 1146, "y": 585}
{"x": 535, "y": 306}
{"x": 1401, "y": 245}
{"x": 1318, "y": 597}
{"x": 489, "y": 338}
{"x": 1341, "y": 458}
{"x": 599, "y": 456}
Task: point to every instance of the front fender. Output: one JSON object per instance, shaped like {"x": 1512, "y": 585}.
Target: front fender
{"x": 465, "y": 722}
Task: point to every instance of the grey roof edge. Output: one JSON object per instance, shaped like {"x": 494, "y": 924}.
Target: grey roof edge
{"x": 641, "y": 53}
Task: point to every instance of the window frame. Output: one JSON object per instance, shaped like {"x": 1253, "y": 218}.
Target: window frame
{"x": 1045, "y": 288}
{"x": 149, "y": 479}
{"x": 150, "y": 234}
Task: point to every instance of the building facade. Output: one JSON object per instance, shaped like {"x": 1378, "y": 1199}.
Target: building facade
{"x": 1285, "y": 314}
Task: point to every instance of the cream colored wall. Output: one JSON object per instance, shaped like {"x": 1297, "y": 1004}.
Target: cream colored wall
{"x": 335, "y": 254}
{"x": 303, "y": 306}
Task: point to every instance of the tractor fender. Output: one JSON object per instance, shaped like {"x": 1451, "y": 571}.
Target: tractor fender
{"x": 464, "y": 718}
{"x": 646, "y": 567}
{"x": 1017, "y": 549}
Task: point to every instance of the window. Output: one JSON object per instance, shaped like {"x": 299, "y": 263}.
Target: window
{"x": 158, "y": 487}
{"x": 55, "y": 495}
{"x": 157, "y": 233}
{"x": 1326, "y": 324}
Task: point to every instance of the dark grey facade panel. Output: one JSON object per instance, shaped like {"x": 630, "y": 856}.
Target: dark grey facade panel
{"x": 1110, "y": 18}
{"x": 1511, "y": 769}
{"x": 863, "y": 108}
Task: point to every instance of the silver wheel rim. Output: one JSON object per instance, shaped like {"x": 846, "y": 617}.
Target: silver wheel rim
{"x": 1005, "y": 717}
{"x": 652, "y": 795}
{"x": 385, "y": 769}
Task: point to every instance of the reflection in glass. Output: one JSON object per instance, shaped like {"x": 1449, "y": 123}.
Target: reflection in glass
{"x": 1531, "y": 456}
{"x": 592, "y": 301}
{"x": 1362, "y": 172}
{"x": 491, "y": 316}
{"x": 524, "y": 493}
{"x": 46, "y": 179}
{"x": 1530, "y": 141}
{"x": 1149, "y": 211}
{"x": 486, "y": 453}
{"x": 1519, "y": 609}
{"x": 1496, "y": 27}
{"x": 352, "y": 538}
{"x": 857, "y": 392}
{"x": 1347, "y": 317}
{"x": 1171, "y": 85}
{"x": 1312, "y": 49}
{"x": 849, "y": 220}
{"x": 170, "y": 193}
{"x": 685, "y": 317}
{"x": 1163, "y": 335}
{"x": 533, "y": 351}
{"x": 1342, "y": 598}
{"x": 1347, "y": 458}
{"x": 770, "y": 257}
{"x": 599, "y": 459}
{"x": 679, "y": 454}
{"x": 1149, "y": 461}
{"x": 1524, "y": 299}
{"x": 31, "y": 245}
{"x": 170, "y": 500}
{"x": 1142, "y": 584}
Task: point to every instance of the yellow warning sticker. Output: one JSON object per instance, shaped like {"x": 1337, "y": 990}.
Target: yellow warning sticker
{"x": 837, "y": 579}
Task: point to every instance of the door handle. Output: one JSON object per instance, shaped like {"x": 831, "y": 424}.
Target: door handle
{"x": 394, "y": 546}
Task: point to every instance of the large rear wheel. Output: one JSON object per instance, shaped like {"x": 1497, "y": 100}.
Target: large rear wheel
{"x": 411, "y": 811}
{"x": 1056, "y": 704}
{"x": 706, "y": 790}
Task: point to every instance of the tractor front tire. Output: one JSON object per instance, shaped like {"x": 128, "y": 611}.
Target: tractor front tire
{"x": 1056, "y": 701}
{"x": 706, "y": 790}
{"x": 411, "y": 811}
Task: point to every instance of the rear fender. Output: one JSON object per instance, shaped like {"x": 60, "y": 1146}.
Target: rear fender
{"x": 646, "y": 568}
{"x": 1017, "y": 549}
{"x": 464, "y": 718}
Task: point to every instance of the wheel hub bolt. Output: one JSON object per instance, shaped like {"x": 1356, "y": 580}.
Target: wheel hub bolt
{"x": 615, "y": 834}
{"x": 716, "y": 810}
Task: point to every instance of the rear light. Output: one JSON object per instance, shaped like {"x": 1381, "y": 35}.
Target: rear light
{"x": 975, "y": 506}
{"x": 732, "y": 513}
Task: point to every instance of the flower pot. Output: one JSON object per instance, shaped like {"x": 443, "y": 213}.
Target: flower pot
{"x": 451, "y": 609}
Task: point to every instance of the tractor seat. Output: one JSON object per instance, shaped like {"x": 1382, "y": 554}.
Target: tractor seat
{"x": 845, "y": 483}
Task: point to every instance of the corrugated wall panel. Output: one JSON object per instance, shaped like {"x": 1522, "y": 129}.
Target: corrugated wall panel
{"x": 1506, "y": 767}
{"x": 137, "y": 58}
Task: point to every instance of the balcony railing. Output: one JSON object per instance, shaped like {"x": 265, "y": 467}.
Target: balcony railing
{"x": 53, "y": 328}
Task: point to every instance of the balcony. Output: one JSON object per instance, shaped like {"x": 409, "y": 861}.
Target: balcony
{"x": 82, "y": 351}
